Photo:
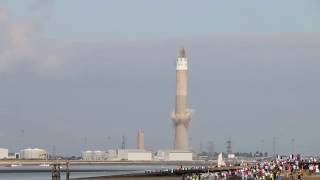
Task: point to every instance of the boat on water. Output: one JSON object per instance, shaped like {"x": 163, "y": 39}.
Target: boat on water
{"x": 14, "y": 165}
{"x": 44, "y": 165}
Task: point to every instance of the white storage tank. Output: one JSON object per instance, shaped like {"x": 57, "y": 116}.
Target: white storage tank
{"x": 87, "y": 155}
{"x": 99, "y": 155}
{"x": 26, "y": 153}
{"x": 35, "y": 153}
{"x": 94, "y": 155}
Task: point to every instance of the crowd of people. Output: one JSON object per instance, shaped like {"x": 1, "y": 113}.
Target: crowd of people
{"x": 293, "y": 168}
{"x": 290, "y": 168}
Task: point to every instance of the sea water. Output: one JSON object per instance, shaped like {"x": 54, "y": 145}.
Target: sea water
{"x": 105, "y": 170}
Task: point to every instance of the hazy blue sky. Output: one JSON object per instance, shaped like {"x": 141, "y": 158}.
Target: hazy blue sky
{"x": 145, "y": 19}
{"x": 79, "y": 69}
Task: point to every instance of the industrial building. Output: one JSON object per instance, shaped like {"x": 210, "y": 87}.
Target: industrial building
{"x": 139, "y": 156}
{"x": 117, "y": 155}
{"x": 94, "y": 155}
{"x": 4, "y": 153}
{"x": 14, "y": 156}
{"x": 174, "y": 155}
{"x": 130, "y": 155}
{"x": 35, "y": 153}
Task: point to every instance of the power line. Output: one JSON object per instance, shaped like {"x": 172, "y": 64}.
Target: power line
{"x": 123, "y": 142}
{"x": 262, "y": 145}
{"x": 293, "y": 146}
{"x": 274, "y": 146}
{"x": 229, "y": 146}
{"x": 211, "y": 148}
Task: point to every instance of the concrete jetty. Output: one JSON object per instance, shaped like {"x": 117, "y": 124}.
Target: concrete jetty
{"x": 174, "y": 174}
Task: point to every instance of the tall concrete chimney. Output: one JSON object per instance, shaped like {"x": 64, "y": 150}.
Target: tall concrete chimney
{"x": 182, "y": 115}
{"x": 140, "y": 140}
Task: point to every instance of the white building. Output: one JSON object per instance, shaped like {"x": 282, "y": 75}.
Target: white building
{"x": 130, "y": 155}
{"x": 4, "y": 153}
{"x": 122, "y": 154}
{"x": 94, "y": 155}
{"x": 14, "y": 156}
{"x": 35, "y": 153}
{"x": 139, "y": 156}
{"x": 174, "y": 155}
{"x": 231, "y": 156}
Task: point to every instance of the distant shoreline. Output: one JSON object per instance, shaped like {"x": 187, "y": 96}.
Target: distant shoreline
{"x": 81, "y": 162}
{"x": 133, "y": 177}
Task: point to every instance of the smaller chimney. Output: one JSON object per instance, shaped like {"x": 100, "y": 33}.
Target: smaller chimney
{"x": 140, "y": 142}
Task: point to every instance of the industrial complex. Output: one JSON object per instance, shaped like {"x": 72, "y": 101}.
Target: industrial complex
{"x": 29, "y": 153}
{"x": 180, "y": 117}
{"x": 138, "y": 154}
